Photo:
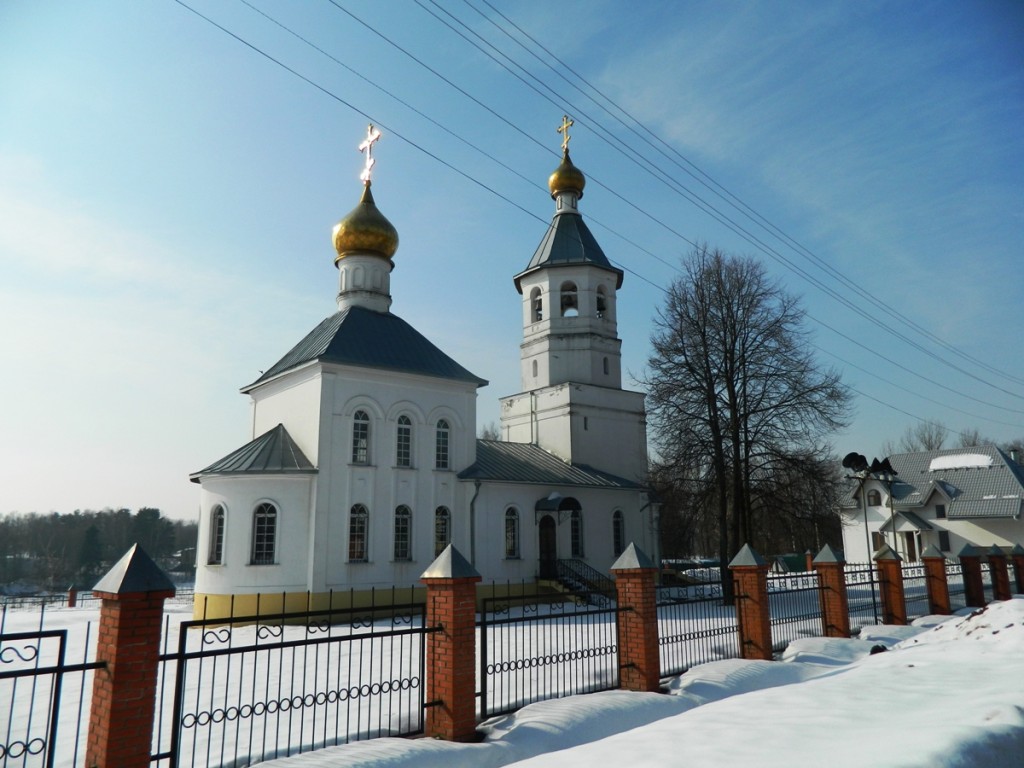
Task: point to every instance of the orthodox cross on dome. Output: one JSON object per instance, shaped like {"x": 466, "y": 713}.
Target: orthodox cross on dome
{"x": 564, "y": 130}
{"x": 372, "y": 137}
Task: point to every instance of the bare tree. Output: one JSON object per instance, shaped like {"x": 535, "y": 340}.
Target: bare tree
{"x": 490, "y": 431}
{"x": 923, "y": 436}
{"x": 971, "y": 437}
{"x": 734, "y": 392}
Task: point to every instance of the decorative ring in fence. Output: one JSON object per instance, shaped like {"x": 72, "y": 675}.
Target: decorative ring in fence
{"x": 518, "y": 665}
{"x": 18, "y": 749}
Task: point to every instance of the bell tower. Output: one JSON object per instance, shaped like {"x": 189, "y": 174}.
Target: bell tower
{"x": 572, "y": 400}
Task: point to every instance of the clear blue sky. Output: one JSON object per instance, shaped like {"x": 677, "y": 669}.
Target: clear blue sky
{"x": 167, "y": 196}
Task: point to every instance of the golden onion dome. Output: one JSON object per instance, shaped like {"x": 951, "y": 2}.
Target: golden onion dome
{"x": 567, "y": 177}
{"x": 365, "y": 229}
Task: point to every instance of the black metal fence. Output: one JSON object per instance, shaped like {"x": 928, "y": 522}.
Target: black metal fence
{"x": 915, "y": 590}
{"x": 83, "y": 599}
{"x": 794, "y": 604}
{"x": 535, "y": 647}
{"x": 955, "y": 585}
{"x": 694, "y": 627}
{"x": 250, "y": 688}
{"x": 44, "y": 697}
{"x": 863, "y": 595}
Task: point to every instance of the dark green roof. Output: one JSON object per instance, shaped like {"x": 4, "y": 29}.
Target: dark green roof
{"x": 362, "y": 337}
{"x": 273, "y": 452}
{"x": 568, "y": 242}
{"x": 527, "y": 463}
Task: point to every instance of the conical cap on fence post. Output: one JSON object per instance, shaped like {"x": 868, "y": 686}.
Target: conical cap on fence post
{"x": 135, "y": 572}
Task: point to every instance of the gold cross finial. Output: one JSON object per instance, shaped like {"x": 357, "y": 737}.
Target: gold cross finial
{"x": 564, "y": 130}
{"x": 372, "y": 137}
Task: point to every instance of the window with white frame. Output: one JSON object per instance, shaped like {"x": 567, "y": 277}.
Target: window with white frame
{"x": 264, "y": 534}
{"x": 511, "y": 533}
{"x": 403, "y": 442}
{"x": 576, "y": 533}
{"x": 360, "y": 438}
{"x": 442, "y": 529}
{"x": 618, "y": 532}
{"x": 874, "y": 498}
{"x": 403, "y": 533}
{"x": 216, "y": 551}
{"x": 441, "y": 455}
{"x": 358, "y": 525}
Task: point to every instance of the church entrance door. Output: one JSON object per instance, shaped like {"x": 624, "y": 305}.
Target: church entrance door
{"x": 548, "y": 548}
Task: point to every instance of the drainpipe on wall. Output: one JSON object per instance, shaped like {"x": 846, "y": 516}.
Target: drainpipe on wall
{"x": 472, "y": 523}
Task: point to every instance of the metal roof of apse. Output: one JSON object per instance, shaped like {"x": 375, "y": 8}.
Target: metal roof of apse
{"x": 273, "y": 452}
{"x": 567, "y": 242}
{"x": 362, "y": 337}
{"x": 528, "y": 463}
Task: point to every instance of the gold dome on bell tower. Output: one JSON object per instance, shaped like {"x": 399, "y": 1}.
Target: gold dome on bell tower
{"x": 566, "y": 177}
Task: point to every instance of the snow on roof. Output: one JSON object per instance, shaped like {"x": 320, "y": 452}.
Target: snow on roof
{"x": 959, "y": 461}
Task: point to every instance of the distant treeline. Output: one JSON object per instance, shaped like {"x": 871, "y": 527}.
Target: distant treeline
{"x": 55, "y": 551}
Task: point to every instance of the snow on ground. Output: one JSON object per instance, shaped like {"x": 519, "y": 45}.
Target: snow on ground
{"x": 948, "y": 694}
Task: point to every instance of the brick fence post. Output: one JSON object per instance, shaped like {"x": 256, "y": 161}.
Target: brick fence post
{"x": 835, "y": 606}
{"x": 1000, "y": 574}
{"x": 124, "y": 693}
{"x": 974, "y": 588}
{"x": 750, "y": 572}
{"x": 1017, "y": 555}
{"x": 809, "y": 560}
{"x": 72, "y": 596}
{"x": 935, "y": 581}
{"x": 890, "y": 579}
{"x": 639, "y": 657}
{"x": 451, "y": 651}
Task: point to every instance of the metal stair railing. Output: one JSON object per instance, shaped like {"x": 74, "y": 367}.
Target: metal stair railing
{"x": 580, "y": 577}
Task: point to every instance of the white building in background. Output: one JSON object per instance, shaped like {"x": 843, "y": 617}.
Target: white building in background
{"x": 946, "y": 499}
{"x": 364, "y": 462}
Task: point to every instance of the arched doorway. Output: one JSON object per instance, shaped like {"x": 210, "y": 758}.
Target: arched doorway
{"x": 548, "y": 548}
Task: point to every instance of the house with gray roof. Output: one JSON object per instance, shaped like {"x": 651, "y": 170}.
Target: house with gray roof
{"x": 363, "y": 463}
{"x": 946, "y": 499}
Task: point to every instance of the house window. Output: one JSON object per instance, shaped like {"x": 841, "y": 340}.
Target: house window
{"x": 944, "y": 541}
{"x": 216, "y": 555}
{"x": 403, "y": 449}
{"x": 442, "y": 529}
{"x": 536, "y": 305}
{"x": 940, "y": 511}
{"x": 874, "y": 498}
{"x": 877, "y": 541}
{"x": 570, "y": 301}
{"x": 441, "y": 446}
{"x": 576, "y": 533}
{"x": 618, "y": 533}
{"x": 403, "y": 533}
{"x": 358, "y": 522}
{"x": 264, "y": 534}
{"x": 602, "y": 302}
{"x": 511, "y": 533}
{"x": 360, "y": 438}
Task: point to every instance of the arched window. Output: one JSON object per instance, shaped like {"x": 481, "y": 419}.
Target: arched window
{"x": 442, "y": 529}
{"x": 536, "y": 305}
{"x": 511, "y": 533}
{"x": 618, "y": 533}
{"x": 441, "y": 446}
{"x": 874, "y": 498}
{"x": 570, "y": 301}
{"x": 216, "y": 554}
{"x": 602, "y": 301}
{"x": 403, "y": 444}
{"x": 576, "y": 533}
{"x": 264, "y": 534}
{"x": 360, "y": 438}
{"x": 535, "y": 369}
{"x": 604, "y": 365}
{"x": 403, "y": 533}
{"x": 358, "y": 523}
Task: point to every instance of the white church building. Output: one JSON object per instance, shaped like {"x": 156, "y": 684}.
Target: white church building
{"x": 364, "y": 462}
